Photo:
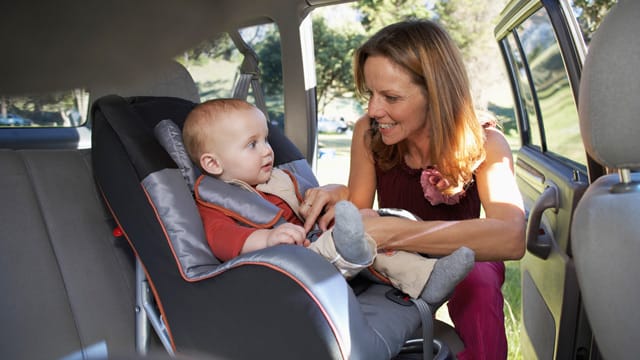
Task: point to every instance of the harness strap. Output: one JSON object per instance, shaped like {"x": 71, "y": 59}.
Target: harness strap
{"x": 427, "y": 328}
{"x": 244, "y": 204}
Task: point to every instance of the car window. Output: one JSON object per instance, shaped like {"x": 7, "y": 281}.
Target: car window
{"x": 58, "y": 109}
{"x": 216, "y": 66}
{"x": 545, "y": 89}
{"x": 531, "y": 128}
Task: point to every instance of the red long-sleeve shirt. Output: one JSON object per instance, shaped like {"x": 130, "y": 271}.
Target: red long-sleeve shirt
{"x": 226, "y": 237}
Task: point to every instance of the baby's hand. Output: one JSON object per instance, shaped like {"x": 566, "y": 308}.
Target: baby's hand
{"x": 287, "y": 233}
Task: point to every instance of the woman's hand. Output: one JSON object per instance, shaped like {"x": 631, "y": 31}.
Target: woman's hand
{"x": 318, "y": 205}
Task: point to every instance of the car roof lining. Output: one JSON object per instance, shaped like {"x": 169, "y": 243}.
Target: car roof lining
{"x": 81, "y": 37}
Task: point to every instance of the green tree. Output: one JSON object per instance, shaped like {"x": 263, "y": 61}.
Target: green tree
{"x": 268, "y": 51}
{"x": 591, "y": 13}
{"x": 220, "y": 47}
{"x": 470, "y": 24}
{"x": 334, "y": 50}
{"x": 378, "y": 13}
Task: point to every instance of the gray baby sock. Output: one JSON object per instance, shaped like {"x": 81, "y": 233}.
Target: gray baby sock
{"x": 447, "y": 273}
{"x": 348, "y": 235}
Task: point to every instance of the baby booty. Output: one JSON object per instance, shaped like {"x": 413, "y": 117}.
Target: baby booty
{"x": 349, "y": 237}
{"x": 447, "y": 273}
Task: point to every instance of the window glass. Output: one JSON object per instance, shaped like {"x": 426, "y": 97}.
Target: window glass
{"x": 337, "y": 32}
{"x": 264, "y": 40}
{"x": 213, "y": 65}
{"x": 590, "y": 14}
{"x": 526, "y": 96}
{"x": 59, "y": 109}
{"x": 216, "y": 66}
{"x": 557, "y": 106}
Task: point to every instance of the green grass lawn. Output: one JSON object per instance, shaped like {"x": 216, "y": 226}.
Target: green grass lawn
{"x": 335, "y": 169}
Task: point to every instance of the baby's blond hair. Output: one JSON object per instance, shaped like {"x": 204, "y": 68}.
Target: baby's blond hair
{"x": 198, "y": 125}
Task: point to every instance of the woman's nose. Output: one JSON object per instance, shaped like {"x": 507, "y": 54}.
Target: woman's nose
{"x": 375, "y": 109}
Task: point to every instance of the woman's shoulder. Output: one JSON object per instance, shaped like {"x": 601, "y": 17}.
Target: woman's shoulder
{"x": 362, "y": 124}
{"x": 496, "y": 146}
{"x": 494, "y": 138}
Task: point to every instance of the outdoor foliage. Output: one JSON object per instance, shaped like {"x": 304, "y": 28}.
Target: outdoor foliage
{"x": 379, "y": 13}
{"x": 334, "y": 52}
{"x": 591, "y": 14}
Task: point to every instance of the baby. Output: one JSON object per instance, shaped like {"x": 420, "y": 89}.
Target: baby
{"x": 227, "y": 138}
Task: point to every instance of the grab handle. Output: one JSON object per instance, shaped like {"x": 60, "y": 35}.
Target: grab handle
{"x": 539, "y": 242}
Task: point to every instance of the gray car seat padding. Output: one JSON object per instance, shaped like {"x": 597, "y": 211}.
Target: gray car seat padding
{"x": 67, "y": 285}
{"x": 605, "y": 237}
{"x": 339, "y": 325}
{"x": 248, "y": 206}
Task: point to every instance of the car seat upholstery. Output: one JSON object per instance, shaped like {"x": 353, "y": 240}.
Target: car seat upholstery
{"x": 67, "y": 285}
{"x": 280, "y": 302}
{"x": 605, "y": 233}
{"x": 170, "y": 79}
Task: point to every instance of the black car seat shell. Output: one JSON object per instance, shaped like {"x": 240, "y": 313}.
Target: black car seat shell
{"x": 284, "y": 302}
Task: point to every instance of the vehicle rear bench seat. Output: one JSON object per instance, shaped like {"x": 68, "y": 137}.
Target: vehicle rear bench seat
{"x": 66, "y": 283}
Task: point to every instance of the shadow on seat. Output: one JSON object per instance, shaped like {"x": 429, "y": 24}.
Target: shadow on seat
{"x": 605, "y": 234}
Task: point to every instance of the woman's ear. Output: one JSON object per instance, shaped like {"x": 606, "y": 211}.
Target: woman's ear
{"x": 210, "y": 163}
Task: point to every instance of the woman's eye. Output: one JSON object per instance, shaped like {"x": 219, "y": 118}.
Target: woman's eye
{"x": 392, "y": 98}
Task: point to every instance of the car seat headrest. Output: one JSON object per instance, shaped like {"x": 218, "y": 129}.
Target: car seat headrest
{"x": 609, "y": 102}
{"x": 171, "y": 80}
{"x": 169, "y": 136}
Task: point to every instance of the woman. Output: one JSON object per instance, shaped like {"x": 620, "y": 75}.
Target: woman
{"x": 421, "y": 147}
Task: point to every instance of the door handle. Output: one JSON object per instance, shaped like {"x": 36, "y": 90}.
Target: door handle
{"x": 539, "y": 244}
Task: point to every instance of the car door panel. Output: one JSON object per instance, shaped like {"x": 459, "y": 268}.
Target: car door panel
{"x": 550, "y": 294}
{"x": 544, "y": 62}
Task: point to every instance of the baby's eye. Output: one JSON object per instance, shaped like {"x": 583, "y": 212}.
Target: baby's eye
{"x": 252, "y": 144}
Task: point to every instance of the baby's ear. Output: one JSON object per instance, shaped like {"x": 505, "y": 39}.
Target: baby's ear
{"x": 209, "y": 163}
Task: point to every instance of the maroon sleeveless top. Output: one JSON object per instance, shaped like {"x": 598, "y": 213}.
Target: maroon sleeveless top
{"x": 400, "y": 188}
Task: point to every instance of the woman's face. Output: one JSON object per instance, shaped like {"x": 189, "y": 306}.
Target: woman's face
{"x": 397, "y": 104}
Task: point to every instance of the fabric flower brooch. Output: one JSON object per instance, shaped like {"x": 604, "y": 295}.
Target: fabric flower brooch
{"x": 433, "y": 183}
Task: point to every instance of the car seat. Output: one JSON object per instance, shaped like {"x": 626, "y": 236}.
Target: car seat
{"x": 605, "y": 235}
{"x": 280, "y": 302}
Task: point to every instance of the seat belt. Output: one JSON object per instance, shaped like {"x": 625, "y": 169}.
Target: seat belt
{"x": 249, "y": 74}
{"x": 426, "y": 318}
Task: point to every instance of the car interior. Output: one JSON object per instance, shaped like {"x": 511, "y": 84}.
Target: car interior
{"x": 98, "y": 261}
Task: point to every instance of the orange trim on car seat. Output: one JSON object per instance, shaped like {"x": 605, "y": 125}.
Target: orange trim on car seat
{"x": 343, "y": 351}
{"x": 234, "y": 215}
{"x": 168, "y": 238}
{"x": 144, "y": 269}
{"x": 273, "y": 267}
{"x": 296, "y": 187}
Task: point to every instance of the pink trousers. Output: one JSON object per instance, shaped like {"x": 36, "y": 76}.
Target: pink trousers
{"x": 476, "y": 311}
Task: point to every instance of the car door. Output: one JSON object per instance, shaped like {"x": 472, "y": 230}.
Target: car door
{"x": 543, "y": 53}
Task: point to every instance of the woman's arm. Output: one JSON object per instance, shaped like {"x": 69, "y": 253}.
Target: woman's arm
{"x": 361, "y": 188}
{"x": 498, "y": 236}
{"x": 362, "y": 174}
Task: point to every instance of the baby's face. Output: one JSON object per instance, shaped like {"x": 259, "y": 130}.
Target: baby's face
{"x": 242, "y": 147}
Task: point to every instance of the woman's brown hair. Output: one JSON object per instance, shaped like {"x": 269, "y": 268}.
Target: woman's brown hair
{"x": 430, "y": 56}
